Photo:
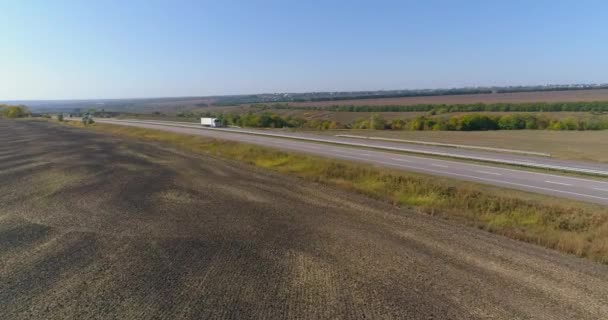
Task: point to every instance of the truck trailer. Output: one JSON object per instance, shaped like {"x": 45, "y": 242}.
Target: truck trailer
{"x": 211, "y": 122}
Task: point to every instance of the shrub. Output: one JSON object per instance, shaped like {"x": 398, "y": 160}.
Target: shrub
{"x": 14, "y": 111}
{"x": 87, "y": 120}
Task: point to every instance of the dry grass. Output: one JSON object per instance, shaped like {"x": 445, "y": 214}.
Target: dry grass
{"x": 568, "y": 226}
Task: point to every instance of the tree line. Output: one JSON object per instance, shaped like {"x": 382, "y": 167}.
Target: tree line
{"x": 466, "y": 122}
{"x": 264, "y": 120}
{"x": 592, "y": 106}
{"x": 481, "y": 122}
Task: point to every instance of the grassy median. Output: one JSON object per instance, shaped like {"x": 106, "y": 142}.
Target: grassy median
{"x": 569, "y": 226}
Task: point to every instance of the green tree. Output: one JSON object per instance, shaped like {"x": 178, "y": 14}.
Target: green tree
{"x": 376, "y": 122}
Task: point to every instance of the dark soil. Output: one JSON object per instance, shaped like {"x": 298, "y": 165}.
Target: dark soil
{"x": 93, "y": 226}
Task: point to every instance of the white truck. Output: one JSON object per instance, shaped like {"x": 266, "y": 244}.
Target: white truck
{"x": 211, "y": 122}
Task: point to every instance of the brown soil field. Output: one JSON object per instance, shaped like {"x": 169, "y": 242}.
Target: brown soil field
{"x": 518, "y": 97}
{"x": 98, "y": 226}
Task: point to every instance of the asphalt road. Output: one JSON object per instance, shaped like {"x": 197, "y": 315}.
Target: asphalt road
{"x": 589, "y": 190}
{"x": 95, "y": 226}
{"x": 490, "y": 156}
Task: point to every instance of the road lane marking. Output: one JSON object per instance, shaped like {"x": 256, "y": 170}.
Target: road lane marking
{"x": 512, "y": 170}
{"x": 402, "y": 160}
{"x": 600, "y": 189}
{"x": 167, "y": 123}
{"x": 439, "y": 165}
{"x": 344, "y": 152}
{"x": 469, "y": 177}
{"x": 487, "y": 172}
{"x": 483, "y": 179}
{"x": 560, "y": 183}
{"x": 302, "y": 138}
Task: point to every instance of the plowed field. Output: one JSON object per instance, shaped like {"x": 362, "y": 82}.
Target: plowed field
{"x": 94, "y": 226}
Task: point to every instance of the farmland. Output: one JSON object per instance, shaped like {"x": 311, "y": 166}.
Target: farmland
{"x": 571, "y": 145}
{"x": 96, "y": 225}
{"x": 395, "y": 97}
{"x": 542, "y": 110}
{"x": 517, "y": 97}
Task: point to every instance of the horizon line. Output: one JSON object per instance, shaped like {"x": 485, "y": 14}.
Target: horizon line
{"x": 565, "y": 86}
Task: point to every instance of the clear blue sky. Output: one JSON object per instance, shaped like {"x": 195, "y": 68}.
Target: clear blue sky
{"x": 116, "y": 49}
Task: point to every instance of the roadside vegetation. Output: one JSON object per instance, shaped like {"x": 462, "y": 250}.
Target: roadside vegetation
{"x": 264, "y": 120}
{"x": 463, "y": 122}
{"x": 569, "y": 226}
{"x": 8, "y": 111}
{"x": 482, "y": 122}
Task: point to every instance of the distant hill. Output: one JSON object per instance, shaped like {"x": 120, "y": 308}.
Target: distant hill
{"x": 176, "y": 104}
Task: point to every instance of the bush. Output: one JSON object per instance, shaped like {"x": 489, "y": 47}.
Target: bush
{"x": 86, "y": 120}
{"x": 14, "y": 111}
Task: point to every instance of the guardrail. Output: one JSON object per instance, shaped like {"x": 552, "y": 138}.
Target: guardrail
{"x": 529, "y": 164}
{"x": 451, "y": 145}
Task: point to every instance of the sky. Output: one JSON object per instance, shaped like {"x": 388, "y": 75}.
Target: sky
{"x": 126, "y": 49}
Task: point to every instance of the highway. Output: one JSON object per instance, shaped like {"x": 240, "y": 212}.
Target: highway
{"x": 541, "y": 162}
{"x": 589, "y": 190}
